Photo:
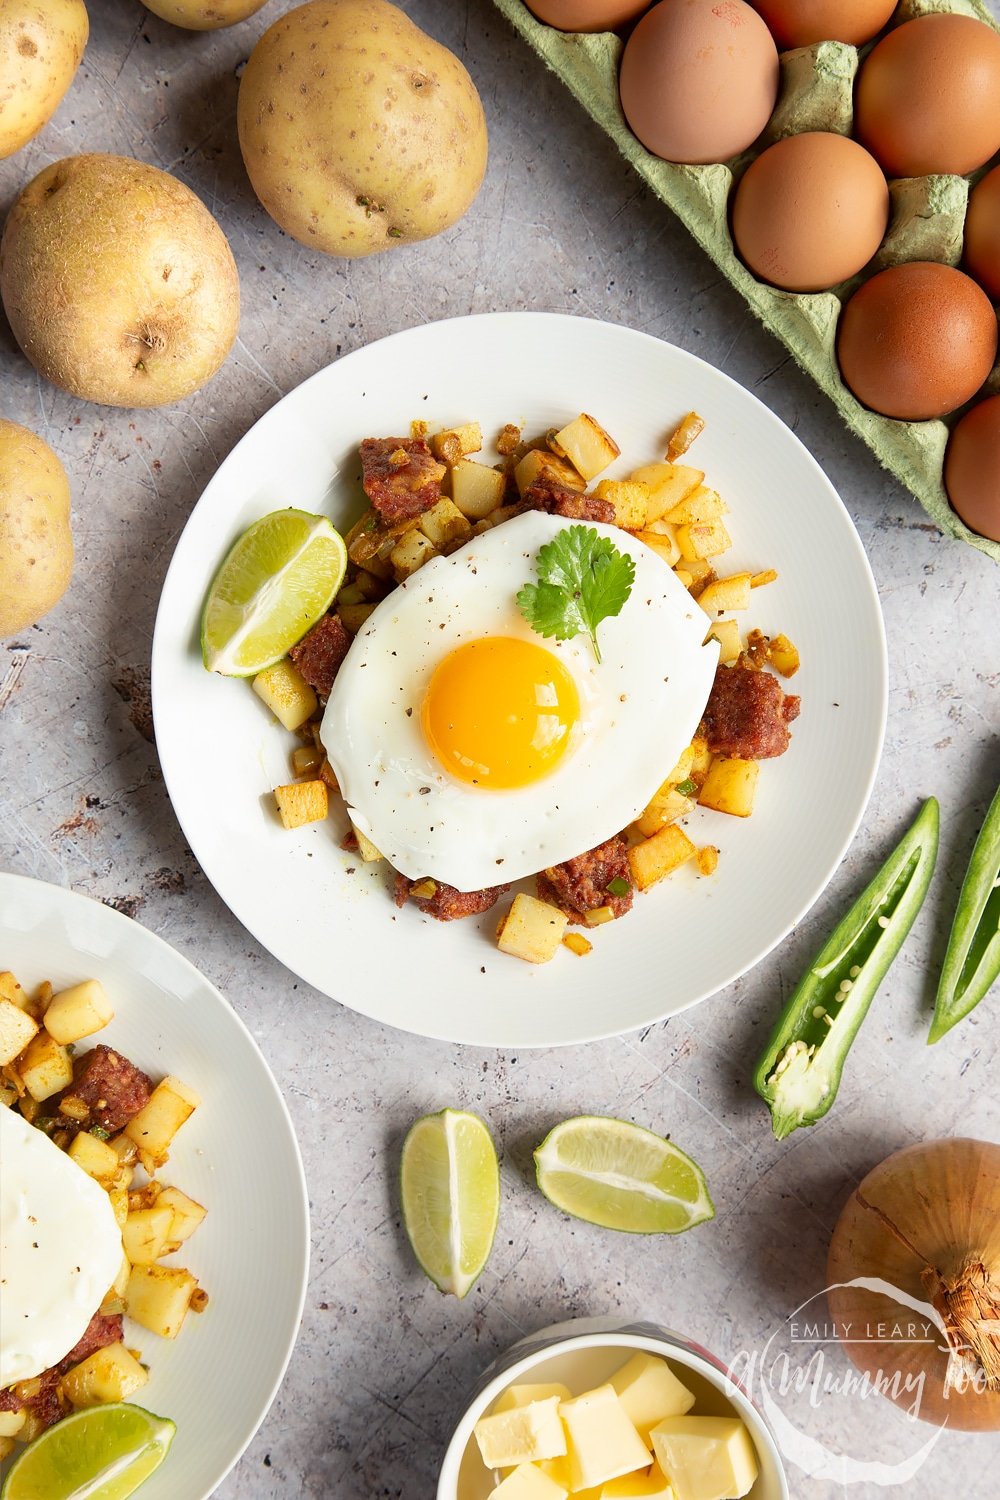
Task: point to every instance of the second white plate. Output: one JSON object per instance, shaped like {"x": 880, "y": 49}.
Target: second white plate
{"x": 329, "y": 918}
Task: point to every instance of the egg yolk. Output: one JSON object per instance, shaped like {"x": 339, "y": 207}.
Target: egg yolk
{"x": 499, "y": 712}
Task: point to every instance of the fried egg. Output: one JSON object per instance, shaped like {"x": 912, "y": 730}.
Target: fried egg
{"x": 472, "y": 751}
{"x": 60, "y": 1250}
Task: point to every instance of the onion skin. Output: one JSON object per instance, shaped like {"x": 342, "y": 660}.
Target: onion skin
{"x": 926, "y": 1220}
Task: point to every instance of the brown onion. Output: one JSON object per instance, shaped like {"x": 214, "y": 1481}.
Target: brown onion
{"x": 926, "y": 1221}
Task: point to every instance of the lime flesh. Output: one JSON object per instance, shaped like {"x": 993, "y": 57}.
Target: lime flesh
{"x": 450, "y": 1188}
{"x": 99, "y": 1453}
{"x": 620, "y": 1176}
{"x": 281, "y": 576}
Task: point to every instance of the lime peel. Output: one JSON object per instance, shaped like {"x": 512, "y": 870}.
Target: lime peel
{"x": 450, "y": 1190}
{"x": 620, "y": 1176}
{"x": 98, "y": 1453}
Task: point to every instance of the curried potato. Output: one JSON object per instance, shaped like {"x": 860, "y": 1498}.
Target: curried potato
{"x": 36, "y": 543}
{"x": 203, "y": 15}
{"x": 358, "y": 131}
{"x": 119, "y": 285}
{"x": 41, "y": 45}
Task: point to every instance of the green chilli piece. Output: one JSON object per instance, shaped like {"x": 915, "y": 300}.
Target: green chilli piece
{"x": 799, "y": 1073}
{"x": 972, "y": 961}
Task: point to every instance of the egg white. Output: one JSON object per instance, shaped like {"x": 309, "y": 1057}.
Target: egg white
{"x": 640, "y": 707}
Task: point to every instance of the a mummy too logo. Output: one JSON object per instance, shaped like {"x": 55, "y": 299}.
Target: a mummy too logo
{"x": 810, "y": 1391}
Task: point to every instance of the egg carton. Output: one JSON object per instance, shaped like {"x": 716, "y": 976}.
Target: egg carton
{"x": 926, "y": 224}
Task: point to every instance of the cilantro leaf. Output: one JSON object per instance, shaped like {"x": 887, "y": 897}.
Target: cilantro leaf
{"x": 582, "y": 580}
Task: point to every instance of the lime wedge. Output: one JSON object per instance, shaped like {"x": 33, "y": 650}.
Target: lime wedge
{"x": 620, "y": 1176}
{"x": 100, "y": 1453}
{"x": 280, "y": 577}
{"x": 450, "y": 1187}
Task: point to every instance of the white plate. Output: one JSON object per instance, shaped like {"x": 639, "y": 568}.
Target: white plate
{"x": 237, "y": 1155}
{"x": 221, "y": 754}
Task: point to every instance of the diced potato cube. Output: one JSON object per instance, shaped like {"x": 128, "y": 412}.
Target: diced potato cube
{"x": 286, "y": 693}
{"x": 121, "y": 1280}
{"x": 730, "y": 786}
{"x": 371, "y": 587}
{"x": 769, "y": 575}
{"x": 109, "y": 1374}
{"x": 8, "y": 1444}
{"x": 468, "y": 438}
{"x": 444, "y": 523}
{"x": 707, "y": 859}
{"x": 476, "y": 489}
{"x": 668, "y": 485}
{"x": 186, "y": 1214}
{"x": 701, "y": 759}
{"x": 45, "y": 1066}
{"x": 366, "y": 848}
{"x": 146, "y": 1234}
{"x": 11, "y": 1423}
{"x": 521, "y": 1435}
{"x": 532, "y": 930}
{"x": 11, "y": 989}
{"x": 353, "y": 616}
{"x": 95, "y": 1157}
{"x": 684, "y": 435}
{"x": 523, "y": 1395}
{"x": 697, "y": 574}
{"x": 649, "y": 1390}
{"x": 682, "y": 770}
{"x": 157, "y": 1298}
{"x": 662, "y": 543}
{"x": 307, "y": 760}
{"x": 705, "y": 1456}
{"x": 118, "y": 1197}
{"x": 727, "y": 633}
{"x": 16, "y": 1030}
{"x": 663, "y": 810}
{"x": 163, "y": 1114}
{"x": 702, "y": 504}
{"x": 577, "y": 943}
{"x": 702, "y": 539}
{"x": 528, "y": 1482}
{"x": 601, "y": 1442}
{"x": 410, "y": 553}
{"x": 660, "y": 855}
{"x": 726, "y": 594}
{"x": 302, "y": 802}
{"x": 587, "y": 446}
{"x": 539, "y": 463}
{"x": 630, "y": 499}
{"x": 784, "y": 656}
{"x": 78, "y": 1012}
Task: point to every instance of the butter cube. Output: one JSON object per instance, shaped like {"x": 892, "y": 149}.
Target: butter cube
{"x": 706, "y": 1458}
{"x": 601, "y": 1441}
{"x": 528, "y": 1483}
{"x": 644, "y": 1484}
{"x": 522, "y": 1395}
{"x": 649, "y": 1390}
{"x": 521, "y": 1436}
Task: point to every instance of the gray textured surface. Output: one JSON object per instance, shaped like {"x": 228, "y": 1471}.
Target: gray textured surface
{"x": 383, "y": 1362}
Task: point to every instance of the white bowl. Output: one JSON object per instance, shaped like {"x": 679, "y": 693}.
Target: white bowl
{"x": 584, "y": 1352}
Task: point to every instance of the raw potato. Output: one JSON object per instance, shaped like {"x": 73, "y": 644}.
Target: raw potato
{"x": 41, "y": 44}
{"x": 358, "y": 131}
{"x": 119, "y": 285}
{"x": 36, "y": 544}
{"x": 204, "y": 15}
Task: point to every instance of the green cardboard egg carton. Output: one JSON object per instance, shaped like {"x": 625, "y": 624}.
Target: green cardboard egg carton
{"x": 926, "y": 223}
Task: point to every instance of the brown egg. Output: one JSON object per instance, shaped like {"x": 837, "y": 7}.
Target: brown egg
{"x": 810, "y": 211}
{"x": 587, "y": 15}
{"x": 699, "y": 79}
{"x": 927, "y": 97}
{"x": 972, "y": 468}
{"x": 982, "y": 233}
{"x": 798, "y": 23}
{"x": 917, "y": 341}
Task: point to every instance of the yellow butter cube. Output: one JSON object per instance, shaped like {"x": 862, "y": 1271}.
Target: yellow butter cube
{"x": 523, "y": 1395}
{"x": 526, "y": 1482}
{"x": 601, "y": 1441}
{"x": 645, "y": 1484}
{"x": 649, "y": 1391}
{"x": 707, "y": 1458}
{"x": 521, "y": 1436}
